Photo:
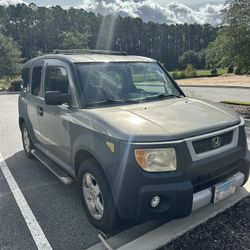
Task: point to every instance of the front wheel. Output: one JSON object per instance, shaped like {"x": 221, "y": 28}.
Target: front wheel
{"x": 27, "y": 143}
{"x": 98, "y": 200}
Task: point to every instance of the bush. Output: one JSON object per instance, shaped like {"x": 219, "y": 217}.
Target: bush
{"x": 175, "y": 74}
{"x": 4, "y": 84}
{"x": 238, "y": 70}
{"x": 230, "y": 69}
{"x": 190, "y": 71}
{"x": 194, "y": 73}
{"x": 214, "y": 72}
{"x": 182, "y": 75}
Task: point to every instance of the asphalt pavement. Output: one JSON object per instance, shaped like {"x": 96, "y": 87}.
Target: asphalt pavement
{"x": 57, "y": 208}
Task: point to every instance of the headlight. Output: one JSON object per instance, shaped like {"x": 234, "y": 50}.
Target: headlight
{"x": 156, "y": 160}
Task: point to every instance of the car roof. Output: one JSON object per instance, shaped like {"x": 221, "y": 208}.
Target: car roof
{"x": 88, "y": 58}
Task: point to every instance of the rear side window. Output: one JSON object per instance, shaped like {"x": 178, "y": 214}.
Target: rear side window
{"x": 56, "y": 79}
{"x": 36, "y": 80}
{"x": 25, "y": 77}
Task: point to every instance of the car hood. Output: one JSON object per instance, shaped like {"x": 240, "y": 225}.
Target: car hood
{"x": 162, "y": 120}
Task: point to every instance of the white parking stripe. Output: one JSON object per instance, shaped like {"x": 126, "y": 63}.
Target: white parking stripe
{"x": 34, "y": 227}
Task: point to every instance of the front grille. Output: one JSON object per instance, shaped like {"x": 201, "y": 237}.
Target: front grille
{"x": 213, "y": 142}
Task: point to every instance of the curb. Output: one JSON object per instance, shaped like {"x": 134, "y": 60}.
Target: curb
{"x": 215, "y": 86}
{"x": 163, "y": 235}
{"x": 9, "y": 92}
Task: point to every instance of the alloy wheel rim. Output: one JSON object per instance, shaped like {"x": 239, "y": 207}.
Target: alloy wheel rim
{"x": 26, "y": 140}
{"x": 93, "y": 196}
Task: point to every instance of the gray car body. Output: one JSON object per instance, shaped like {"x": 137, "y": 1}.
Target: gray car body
{"x": 70, "y": 133}
{"x": 64, "y": 130}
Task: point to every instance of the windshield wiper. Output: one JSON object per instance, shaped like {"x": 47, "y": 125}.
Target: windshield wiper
{"x": 114, "y": 101}
{"x": 161, "y": 95}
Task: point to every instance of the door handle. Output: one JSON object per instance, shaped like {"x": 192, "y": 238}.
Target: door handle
{"x": 39, "y": 110}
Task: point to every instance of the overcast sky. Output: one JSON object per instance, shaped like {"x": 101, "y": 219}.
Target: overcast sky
{"x": 161, "y": 11}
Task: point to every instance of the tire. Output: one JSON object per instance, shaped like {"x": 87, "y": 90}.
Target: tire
{"x": 107, "y": 219}
{"x": 27, "y": 142}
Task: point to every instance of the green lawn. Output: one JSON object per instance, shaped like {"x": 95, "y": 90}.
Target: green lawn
{"x": 208, "y": 72}
{"x": 236, "y": 102}
{"x": 205, "y": 72}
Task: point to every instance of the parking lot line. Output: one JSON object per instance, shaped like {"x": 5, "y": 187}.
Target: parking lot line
{"x": 33, "y": 225}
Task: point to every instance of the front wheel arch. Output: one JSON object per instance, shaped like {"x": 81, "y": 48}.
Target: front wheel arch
{"x": 83, "y": 155}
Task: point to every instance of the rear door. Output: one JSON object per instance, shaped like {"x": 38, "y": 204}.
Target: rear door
{"x": 35, "y": 98}
{"x": 55, "y": 121}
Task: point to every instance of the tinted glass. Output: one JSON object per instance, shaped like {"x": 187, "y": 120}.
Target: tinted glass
{"x": 36, "y": 80}
{"x": 102, "y": 82}
{"x": 25, "y": 77}
{"x": 56, "y": 79}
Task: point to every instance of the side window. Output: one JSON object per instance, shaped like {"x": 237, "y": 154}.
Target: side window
{"x": 25, "y": 77}
{"x": 56, "y": 79}
{"x": 36, "y": 80}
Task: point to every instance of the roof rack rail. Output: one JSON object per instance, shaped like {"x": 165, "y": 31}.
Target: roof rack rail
{"x": 89, "y": 51}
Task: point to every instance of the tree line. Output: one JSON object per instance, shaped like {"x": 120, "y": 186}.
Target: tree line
{"x": 40, "y": 29}
{"x": 29, "y": 30}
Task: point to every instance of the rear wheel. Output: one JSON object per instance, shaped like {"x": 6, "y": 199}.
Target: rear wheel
{"x": 27, "y": 143}
{"x": 98, "y": 200}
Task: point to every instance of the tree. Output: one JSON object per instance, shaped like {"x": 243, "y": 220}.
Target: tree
{"x": 42, "y": 29}
{"x": 237, "y": 16}
{"x": 191, "y": 57}
{"x": 10, "y": 57}
{"x": 219, "y": 52}
{"x": 74, "y": 40}
{"x": 232, "y": 44}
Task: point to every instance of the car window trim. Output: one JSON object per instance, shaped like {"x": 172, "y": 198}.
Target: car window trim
{"x": 48, "y": 66}
{"x": 39, "y": 63}
{"x": 51, "y": 62}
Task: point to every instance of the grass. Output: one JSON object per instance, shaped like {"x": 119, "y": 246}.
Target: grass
{"x": 199, "y": 73}
{"x": 148, "y": 77}
{"x": 205, "y": 72}
{"x": 236, "y": 102}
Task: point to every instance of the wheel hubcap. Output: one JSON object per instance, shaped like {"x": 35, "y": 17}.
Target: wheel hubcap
{"x": 26, "y": 140}
{"x": 93, "y": 196}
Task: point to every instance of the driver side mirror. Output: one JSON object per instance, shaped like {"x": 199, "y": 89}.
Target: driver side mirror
{"x": 56, "y": 97}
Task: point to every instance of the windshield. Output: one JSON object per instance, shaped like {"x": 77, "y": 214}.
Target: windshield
{"x": 104, "y": 83}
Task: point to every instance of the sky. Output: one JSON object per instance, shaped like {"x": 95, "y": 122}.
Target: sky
{"x": 160, "y": 11}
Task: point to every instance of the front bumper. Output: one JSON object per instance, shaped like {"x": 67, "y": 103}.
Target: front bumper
{"x": 204, "y": 197}
{"x": 182, "y": 191}
{"x": 180, "y": 199}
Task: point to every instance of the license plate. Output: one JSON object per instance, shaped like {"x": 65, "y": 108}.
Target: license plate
{"x": 223, "y": 190}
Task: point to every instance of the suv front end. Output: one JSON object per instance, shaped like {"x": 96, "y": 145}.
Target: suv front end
{"x": 174, "y": 193}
